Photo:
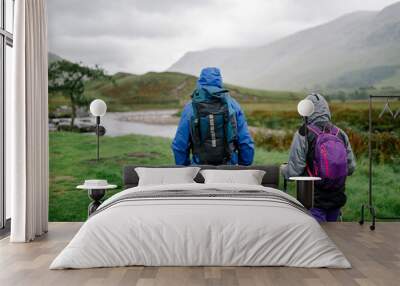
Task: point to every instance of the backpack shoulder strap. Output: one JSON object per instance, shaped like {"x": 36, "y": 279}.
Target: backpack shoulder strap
{"x": 194, "y": 93}
{"x": 331, "y": 129}
{"x": 335, "y": 130}
{"x": 314, "y": 129}
{"x": 194, "y": 124}
{"x": 198, "y": 95}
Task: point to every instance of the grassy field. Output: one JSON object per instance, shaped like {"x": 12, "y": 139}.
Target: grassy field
{"x": 72, "y": 160}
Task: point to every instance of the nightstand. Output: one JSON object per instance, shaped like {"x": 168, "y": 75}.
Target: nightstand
{"x": 305, "y": 190}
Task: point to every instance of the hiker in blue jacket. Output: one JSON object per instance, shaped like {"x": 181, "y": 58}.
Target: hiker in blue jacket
{"x": 212, "y": 127}
{"x": 306, "y": 158}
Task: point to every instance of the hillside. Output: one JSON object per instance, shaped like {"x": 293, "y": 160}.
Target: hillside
{"x": 128, "y": 90}
{"x": 159, "y": 90}
{"x": 53, "y": 57}
{"x": 167, "y": 89}
{"x": 355, "y": 50}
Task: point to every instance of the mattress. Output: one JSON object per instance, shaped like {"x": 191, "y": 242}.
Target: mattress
{"x": 201, "y": 225}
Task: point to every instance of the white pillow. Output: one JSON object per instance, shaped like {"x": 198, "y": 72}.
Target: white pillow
{"x": 247, "y": 177}
{"x": 166, "y": 176}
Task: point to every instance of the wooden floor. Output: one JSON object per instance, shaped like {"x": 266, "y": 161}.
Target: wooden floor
{"x": 375, "y": 257}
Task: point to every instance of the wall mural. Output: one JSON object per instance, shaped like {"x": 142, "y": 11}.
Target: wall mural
{"x": 143, "y": 60}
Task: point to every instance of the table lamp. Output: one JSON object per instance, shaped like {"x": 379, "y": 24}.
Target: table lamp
{"x": 305, "y": 108}
{"x": 98, "y": 108}
{"x": 305, "y": 185}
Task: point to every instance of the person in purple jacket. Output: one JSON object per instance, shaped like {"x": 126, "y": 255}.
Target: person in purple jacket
{"x": 212, "y": 129}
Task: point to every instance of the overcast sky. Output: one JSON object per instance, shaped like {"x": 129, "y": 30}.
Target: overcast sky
{"x": 150, "y": 35}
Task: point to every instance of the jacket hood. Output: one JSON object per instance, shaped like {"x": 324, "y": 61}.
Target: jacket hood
{"x": 210, "y": 77}
{"x": 321, "y": 109}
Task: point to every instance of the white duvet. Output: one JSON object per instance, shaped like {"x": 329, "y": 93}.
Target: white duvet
{"x": 200, "y": 231}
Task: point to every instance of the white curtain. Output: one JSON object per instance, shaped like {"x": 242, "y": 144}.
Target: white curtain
{"x": 27, "y": 124}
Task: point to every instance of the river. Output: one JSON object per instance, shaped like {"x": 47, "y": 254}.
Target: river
{"x": 160, "y": 123}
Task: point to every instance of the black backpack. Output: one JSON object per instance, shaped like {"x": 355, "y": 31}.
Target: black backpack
{"x": 213, "y": 127}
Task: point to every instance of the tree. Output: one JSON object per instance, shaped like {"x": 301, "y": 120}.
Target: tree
{"x": 69, "y": 79}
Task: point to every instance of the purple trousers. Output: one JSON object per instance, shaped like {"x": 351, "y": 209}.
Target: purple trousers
{"x": 322, "y": 215}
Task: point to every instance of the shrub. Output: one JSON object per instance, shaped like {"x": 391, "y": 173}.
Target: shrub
{"x": 272, "y": 140}
{"x": 342, "y": 116}
{"x": 385, "y": 145}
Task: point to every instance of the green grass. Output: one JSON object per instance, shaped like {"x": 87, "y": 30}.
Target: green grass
{"x": 72, "y": 160}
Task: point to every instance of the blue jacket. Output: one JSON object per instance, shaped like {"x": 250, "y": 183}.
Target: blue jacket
{"x": 211, "y": 78}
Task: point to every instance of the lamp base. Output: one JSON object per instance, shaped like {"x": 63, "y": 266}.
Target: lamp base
{"x": 305, "y": 193}
{"x": 96, "y": 196}
{"x": 100, "y": 130}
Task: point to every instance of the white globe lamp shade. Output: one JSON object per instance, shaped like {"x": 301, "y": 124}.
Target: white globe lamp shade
{"x": 98, "y": 107}
{"x": 305, "y": 107}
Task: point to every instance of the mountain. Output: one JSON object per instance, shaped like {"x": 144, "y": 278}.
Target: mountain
{"x": 355, "y": 50}
{"x": 52, "y": 57}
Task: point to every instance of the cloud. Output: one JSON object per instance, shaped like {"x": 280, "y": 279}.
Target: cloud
{"x": 141, "y": 35}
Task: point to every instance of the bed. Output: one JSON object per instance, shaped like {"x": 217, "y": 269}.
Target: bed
{"x": 197, "y": 224}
